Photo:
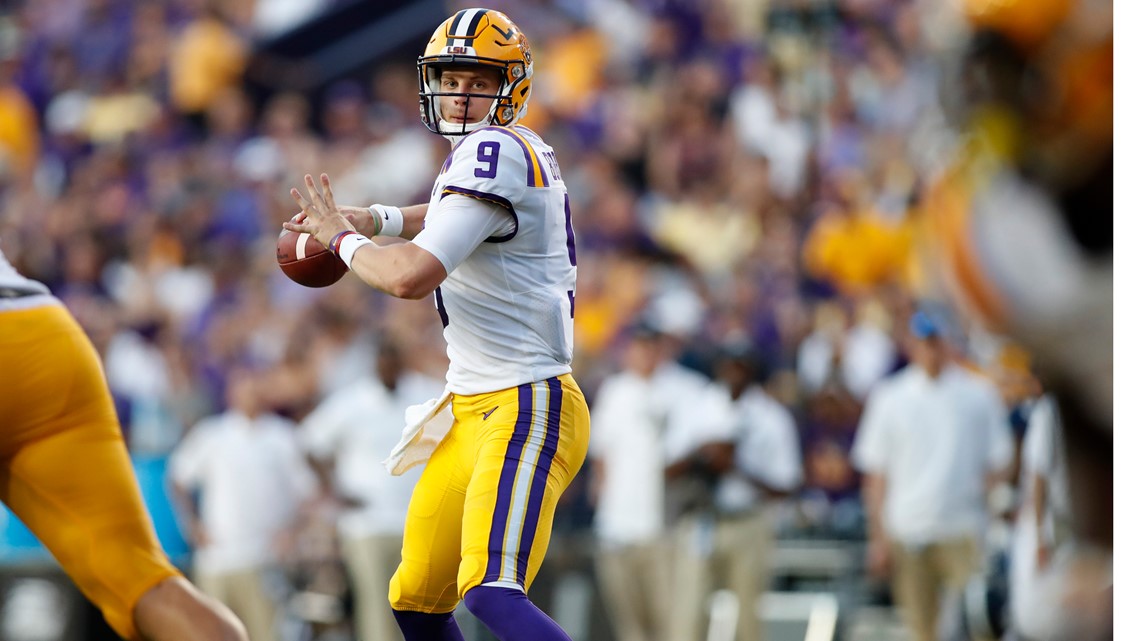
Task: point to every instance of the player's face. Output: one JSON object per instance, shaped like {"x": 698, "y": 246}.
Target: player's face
{"x": 474, "y": 80}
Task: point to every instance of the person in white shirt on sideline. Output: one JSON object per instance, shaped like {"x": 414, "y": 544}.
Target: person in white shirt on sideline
{"x": 345, "y": 437}
{"x": 1043, "y": 538}
{"x": 932, "y": 441}
{"x": 747, "y": 446}
{"x": 253, "y": 479}
{"x": 678, "y": 389}
{"x": 628, "y": 485}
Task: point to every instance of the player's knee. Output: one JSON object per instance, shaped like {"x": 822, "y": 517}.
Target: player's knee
{"x": 409, "y": 592}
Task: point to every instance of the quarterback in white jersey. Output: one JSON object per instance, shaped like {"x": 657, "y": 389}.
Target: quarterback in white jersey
{"x": 507, "y": 309}
{"x": 496, "y": 246}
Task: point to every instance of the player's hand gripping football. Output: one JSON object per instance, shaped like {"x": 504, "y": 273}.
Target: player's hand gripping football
{"x": 321, "y": 218}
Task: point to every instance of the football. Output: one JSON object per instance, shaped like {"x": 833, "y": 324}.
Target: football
{"x": 306, "y": 261}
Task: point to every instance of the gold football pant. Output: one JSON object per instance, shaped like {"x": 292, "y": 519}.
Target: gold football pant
{"x": 64, "y": 469}
{"x": 482, "y": 511}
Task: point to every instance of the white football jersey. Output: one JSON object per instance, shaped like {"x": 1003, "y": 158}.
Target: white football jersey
{"x": 508, "y": 309}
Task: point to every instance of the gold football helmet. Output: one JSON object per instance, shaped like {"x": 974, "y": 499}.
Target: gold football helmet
{"x": 476, "y": 37}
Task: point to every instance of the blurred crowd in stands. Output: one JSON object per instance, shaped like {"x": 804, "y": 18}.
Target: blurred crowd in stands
{"x": 743, "y": 174}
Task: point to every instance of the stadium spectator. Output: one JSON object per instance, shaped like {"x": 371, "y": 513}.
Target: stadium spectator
{"x": 19, "y": 122}
{"x": 1043, "y": 529}
{"x": 851, "y": 245}
{"x": 932, "y": 441}
{"x": 680, "y": 388}
{"x": 251, "y": 480}
{"x": 346, "y": 437}
{"x": 747, "y": 450}
{"x": 856, "y": 355}
{"x": 207, "y": 57}
{"x": 831, "y": 484}
{"x": 628, "y": 485}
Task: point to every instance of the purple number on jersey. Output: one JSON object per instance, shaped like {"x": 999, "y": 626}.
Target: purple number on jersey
{"x": 570, "y": 235}
{"x": 488, "y": 153}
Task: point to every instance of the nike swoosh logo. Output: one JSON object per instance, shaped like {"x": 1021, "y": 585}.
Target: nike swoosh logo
{"x": 385, "y": 215}
{"x": 490, "y": 412}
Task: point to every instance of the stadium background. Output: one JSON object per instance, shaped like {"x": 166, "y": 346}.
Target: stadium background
{"x": 738, "y": 168}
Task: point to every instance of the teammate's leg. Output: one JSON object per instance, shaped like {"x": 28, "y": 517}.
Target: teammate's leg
{"x": 67, "y": 475}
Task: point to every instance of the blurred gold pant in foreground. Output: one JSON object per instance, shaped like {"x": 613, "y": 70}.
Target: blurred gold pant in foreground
{"x": 64, "y": 469}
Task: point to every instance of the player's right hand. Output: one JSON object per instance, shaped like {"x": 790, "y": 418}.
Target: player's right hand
{"x": 323, "y": 219}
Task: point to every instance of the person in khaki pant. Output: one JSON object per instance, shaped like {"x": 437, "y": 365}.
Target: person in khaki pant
{"x": 628, "y": 486}
{"x": 932, "y": 440}
{"x": 743, "y": 444}
{"x": 920, "y": 574}
{"x": 731, "y": 549}
{"x": 252, "y": 481}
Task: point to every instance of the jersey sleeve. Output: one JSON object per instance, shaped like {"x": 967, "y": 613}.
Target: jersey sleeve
{"x": 492, "y": 164}
{"x": 467, "y": 223}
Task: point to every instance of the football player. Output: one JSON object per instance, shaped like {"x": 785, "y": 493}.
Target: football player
{"x": 65, "y": 472}
{"x": 495, "y": 247}
{"x": 1021, "y": 228}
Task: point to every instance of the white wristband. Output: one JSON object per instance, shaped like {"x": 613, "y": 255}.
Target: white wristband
{"x": 348, "y": 246}
{"x": 393, "y": 219}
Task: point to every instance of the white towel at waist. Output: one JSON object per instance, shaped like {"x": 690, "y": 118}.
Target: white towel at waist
{"x": 425, "y": 426}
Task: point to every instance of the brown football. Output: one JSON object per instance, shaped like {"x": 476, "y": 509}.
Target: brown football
{"x": 306, "y": 261}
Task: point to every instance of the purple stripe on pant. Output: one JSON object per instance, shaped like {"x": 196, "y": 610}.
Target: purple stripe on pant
{"x": 506, "y": 484}
{"x": 538, "y": 485}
